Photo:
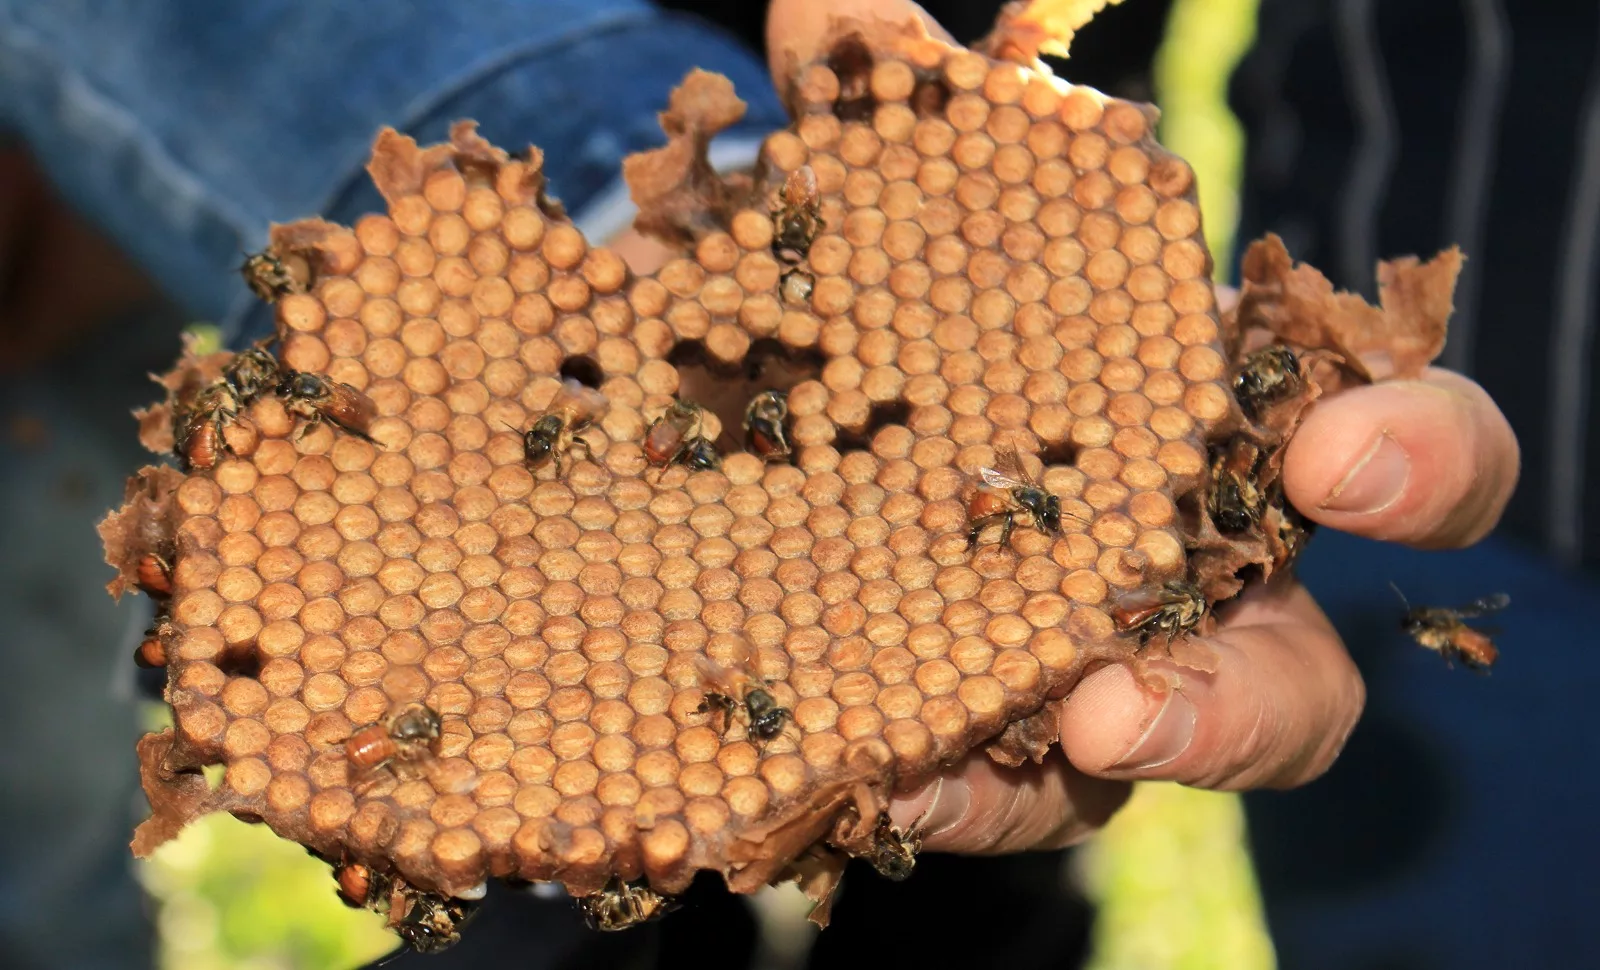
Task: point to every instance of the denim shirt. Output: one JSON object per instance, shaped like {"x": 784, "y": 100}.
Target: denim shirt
{"x": 184, "y": 132}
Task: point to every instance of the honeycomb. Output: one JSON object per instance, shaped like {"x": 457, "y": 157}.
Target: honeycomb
{"x": 1004, "y": 260}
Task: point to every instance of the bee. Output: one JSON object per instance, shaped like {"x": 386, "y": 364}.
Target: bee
{"x": 798, "y": 217}
{"x": 152, "y": 651}
{"x": 198, "y": 431}
{"x": 432, "y": 923}
{"x": 407, "y": 737}
{"x": 737, "y": 686}
{"x": 153, "y": 574}
{"x": 795, "y": 286}
{"x": 1265, "y": 377}
{"x": 1173, "y": 609}
{"x": 675, "y": 437}
{"x": 893, "y": 852}
{"x": 1008, "y": 493}
{"x": 251, "y": 373}
{"x": 270, "y": 277}
{"x": 317, "y": 398}
{"x": 622, "y": 905}
{"x": 1293, "y": 529}
{"x": 702, "y": 456}
{"x": 764, "y": 420}
{"x": 1445, "y": 632}
{"x": 361, "y": 887}
{"x": 1235, "y": 501}
{"x": 555, "y": 432}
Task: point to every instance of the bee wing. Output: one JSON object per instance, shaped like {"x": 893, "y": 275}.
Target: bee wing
{"x": 1486, "y": 604}
{"x": 997, "y": 479}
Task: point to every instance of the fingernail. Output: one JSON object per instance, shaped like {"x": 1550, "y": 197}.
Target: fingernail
{"x": 1166, "y": 738}
{"x": 1375, "y": 483}
{"x": 940, "y": 804}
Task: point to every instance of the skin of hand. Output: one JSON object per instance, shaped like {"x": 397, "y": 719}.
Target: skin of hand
{"x": 1430, "y": 463}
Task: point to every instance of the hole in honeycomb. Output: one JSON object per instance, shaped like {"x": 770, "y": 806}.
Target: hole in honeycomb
{"x": 248, "y": 818}
{"x": 882, "y": 415}
{"x": 851, "y": 63}
{"x": 1060, "y": 453}
{"x": 240, "y": 662}
{"x": 930, "y": 96}
{"x": 584, "y": 370}
{"x": 726, "y": 390}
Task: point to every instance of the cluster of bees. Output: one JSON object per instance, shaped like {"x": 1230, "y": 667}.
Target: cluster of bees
{"x": 677, "y": 437}
{"x": 200, "y": 426}
{"x": 425, "y": 922}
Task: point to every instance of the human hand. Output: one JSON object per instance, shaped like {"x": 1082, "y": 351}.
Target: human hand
{"x": 1430, "y": 463}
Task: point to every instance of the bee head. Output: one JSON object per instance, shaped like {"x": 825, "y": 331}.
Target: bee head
{"x": 1050, "y": 514}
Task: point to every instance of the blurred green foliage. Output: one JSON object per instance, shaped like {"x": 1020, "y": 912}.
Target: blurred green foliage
{"x": 1171, "y": 874}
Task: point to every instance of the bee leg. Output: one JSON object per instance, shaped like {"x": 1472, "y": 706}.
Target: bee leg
{"x": 1005, "y": 530}
{"x": 976, "y": 531}
{"x": 588, "y": 451}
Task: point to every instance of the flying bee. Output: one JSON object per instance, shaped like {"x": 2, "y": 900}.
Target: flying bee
{"x": 1010, "y": 492}
{"x": 622, "y": 905}
{"x": 1235, "y": 501}
{"x": 198, "y": 431}
{"x": 251, "y": 373}
{"x": 1173, "y": 609}
{"x": 318, "y": 398}
{"x": 555, "y": 431}
{"x": 362, "y": 887}
{"x": 764, "y": 420}
{"x": 737, "y": 686}
{"x": 798, "y": 216}
{"x": 795, "y": 286}
{"x": 270, "y": 277}
{"x": 893, "y": 852}
{"x": 1445, "y": 632}
{"x": 153, "y": 574}
{"x": 675, "y": 437}
{"x": 431, "y": 923}
{"x": 1265, "y": 377}
{"x": 408, "y": 736}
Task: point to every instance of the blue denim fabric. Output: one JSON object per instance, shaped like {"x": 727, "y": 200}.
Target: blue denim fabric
{"x": 184, "y": 129}
{"x": 1457, "y": 829}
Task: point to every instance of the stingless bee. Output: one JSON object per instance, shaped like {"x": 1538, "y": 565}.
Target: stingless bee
{"x": 153, "y": 574}
{"x": 251, "y": 373}
{"x": 676, "y": 438}
{"x": 1235, "y": 501}
{"x": 361, "y": 887}
{"x": 737, "y": 686}
{"x": 1173, "y": 608}
{"x": 1010, "y": 492}
{"x": 798, "y": 217}
{"x": 318, "y": 398}
{"x": 555, "y": 431}
{"x": 1265, "y": 377}
{"x": 1445, "y": 631}
{"x": 893, "y": 852}
{"x": 270, "y": 277}
{"x": 702, "y": 456}
{"x": 764, "y": 421}
{"x": 622, "y": 905}
{"x": 199, "y": 428}
{"x": 432, "y": 923}
{"x": 152, "y": 650}
{"x": 406, "y": 737}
